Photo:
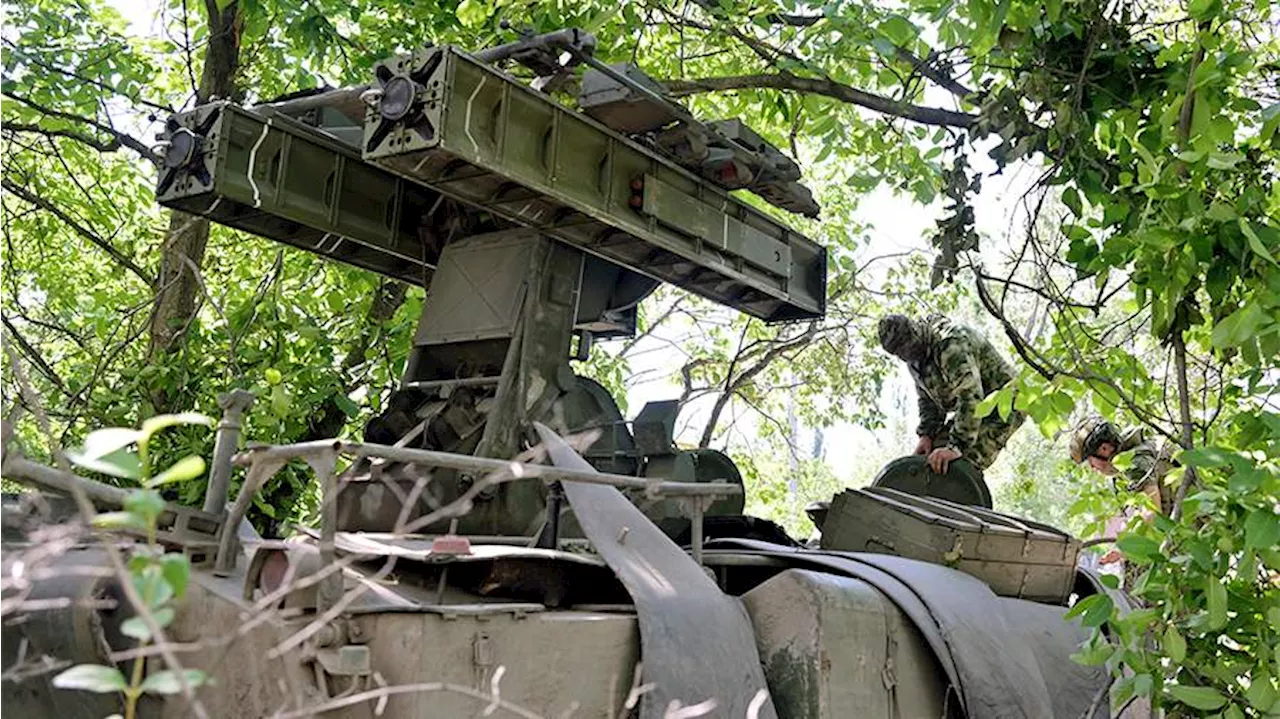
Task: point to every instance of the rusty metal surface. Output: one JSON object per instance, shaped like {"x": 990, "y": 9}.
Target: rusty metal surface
{"x": 696, "y": 642}
{"x": 998, "y": 658}
{"x": 902, "y": 595}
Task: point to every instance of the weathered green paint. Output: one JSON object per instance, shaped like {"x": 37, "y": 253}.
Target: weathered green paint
{"x": 482, "y": 137}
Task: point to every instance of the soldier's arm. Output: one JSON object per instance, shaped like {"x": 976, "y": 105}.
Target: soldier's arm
{"x": 932, "y": 417}
{"x": 963, "y": 375}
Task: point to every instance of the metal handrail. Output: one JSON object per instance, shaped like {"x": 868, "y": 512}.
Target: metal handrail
{"x": 468, "y": 463}
{"x": 264, "y": 456}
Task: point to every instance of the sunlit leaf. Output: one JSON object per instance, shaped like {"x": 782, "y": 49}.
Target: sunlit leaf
{"x": 91, "y": 678}
{"x": 118, "y": 520}
{"x": 155, "y": 424}
{"x": 102, "y": 442}
{"x": 169, "y": 682}
{"x": 136, "y": 628}
{"x": 184, "y": 469}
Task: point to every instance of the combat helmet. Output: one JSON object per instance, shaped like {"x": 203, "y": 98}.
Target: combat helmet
{"x": 1091, "y": 433}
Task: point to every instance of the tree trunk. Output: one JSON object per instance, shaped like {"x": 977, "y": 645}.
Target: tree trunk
{"x": 182, "y": 256}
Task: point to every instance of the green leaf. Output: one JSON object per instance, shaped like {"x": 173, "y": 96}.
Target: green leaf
{"x": 91, "y": 678}
{"x": 1221, "y": 212}
{"x": 1255, "y": 243}
{"x": 345, "y": 404}
{"x": 146, "y": 504}
{"x": 1199, "y": 8}
{"x": 1261, "y": 693}
{"x": 472, "y": 13}
{"x": 136, "y": 628}
{"x": 1198, "y": 697}
{"x": 1224, "y": 160}
{"x": 1262, "y": 529}
{"x": 168, "y": 682}
{"x": 1216, "y": 601}
{"x": 159, "y": 422}
{"x": 118, "y": 520}
{"x": 280, "y": 401}
{"x": 121, "y": 463}
{"x": 1093, "y": 610}
{"x": 176, "y": 569}
{"x": 1071, "y": 198}
{"x": 273, "y": 376}
{"x": 184, "y": 469}
{"x": 1208, "y": 457}
{"x": 1175, "y": 647}
{"x": 898, "y": 29}
{"x": 1004, "y": 402}
{"x": 103, "y": 442}
{"x": 151, "y": 584}
{"x": 1138, "y": 547}
{"x": 884, "y": 47}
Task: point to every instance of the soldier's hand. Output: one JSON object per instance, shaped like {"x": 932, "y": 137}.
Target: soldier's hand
{"x": 925, "y": 445}
{"x": 940, "y": 458}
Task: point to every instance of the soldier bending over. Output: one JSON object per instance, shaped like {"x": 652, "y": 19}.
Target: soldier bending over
{"x": 1098, "y": 442}
{"x": 954, "y": 368}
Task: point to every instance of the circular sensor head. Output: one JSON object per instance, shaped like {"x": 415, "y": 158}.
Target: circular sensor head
{"x": 182, "y": 147}
{"x": 397, "y": 97}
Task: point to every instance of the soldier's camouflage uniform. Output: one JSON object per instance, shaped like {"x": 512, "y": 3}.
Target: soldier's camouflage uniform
{"x": 961, "y": 368}
{"x": 1149, "y": 462}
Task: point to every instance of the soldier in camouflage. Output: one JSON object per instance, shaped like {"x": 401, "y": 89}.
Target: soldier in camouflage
{"x": 954, "y": 369}
{"x": 1099, "y": 442}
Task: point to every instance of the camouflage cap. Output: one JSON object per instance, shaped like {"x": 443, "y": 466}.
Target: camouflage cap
{"x": 1092, "y": 432}
{"x": 895, "y": 332}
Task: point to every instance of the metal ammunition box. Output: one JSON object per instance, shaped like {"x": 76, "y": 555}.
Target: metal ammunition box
{"x": 1016, "y": 557}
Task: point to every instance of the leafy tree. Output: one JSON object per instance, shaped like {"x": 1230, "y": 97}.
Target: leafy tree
{"x": 1155, "y": 291}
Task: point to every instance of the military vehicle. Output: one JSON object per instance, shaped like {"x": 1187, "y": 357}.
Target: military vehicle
{"x": 612, "y": 577}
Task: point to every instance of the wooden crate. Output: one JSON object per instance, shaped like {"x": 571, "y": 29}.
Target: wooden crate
{"x": 1016, "y": 557}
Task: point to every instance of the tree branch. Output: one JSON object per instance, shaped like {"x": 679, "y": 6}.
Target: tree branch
{"x": 34, "y": 356}
{"x": 80, "y": 229}
{"x": 95, "y": 143}
{"x": 13, "y": 47}
{"x": 734, "y": 385}
{"x": 926, "y": 69}
{"x": 121, "y": 138}
{"x": 788, "y": 82}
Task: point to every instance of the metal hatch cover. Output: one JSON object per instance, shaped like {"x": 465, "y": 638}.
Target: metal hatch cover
{"x": 696, "y": 642}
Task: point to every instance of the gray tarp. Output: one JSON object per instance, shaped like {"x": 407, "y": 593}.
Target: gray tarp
{"x": 696, "y": 642}
{"x": 1006, "y": 657}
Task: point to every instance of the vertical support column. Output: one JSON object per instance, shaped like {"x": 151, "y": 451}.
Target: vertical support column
{"x": 697, "y": 507}
{"x": 234, "y": 404}
{"x": 325, "y": 466}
